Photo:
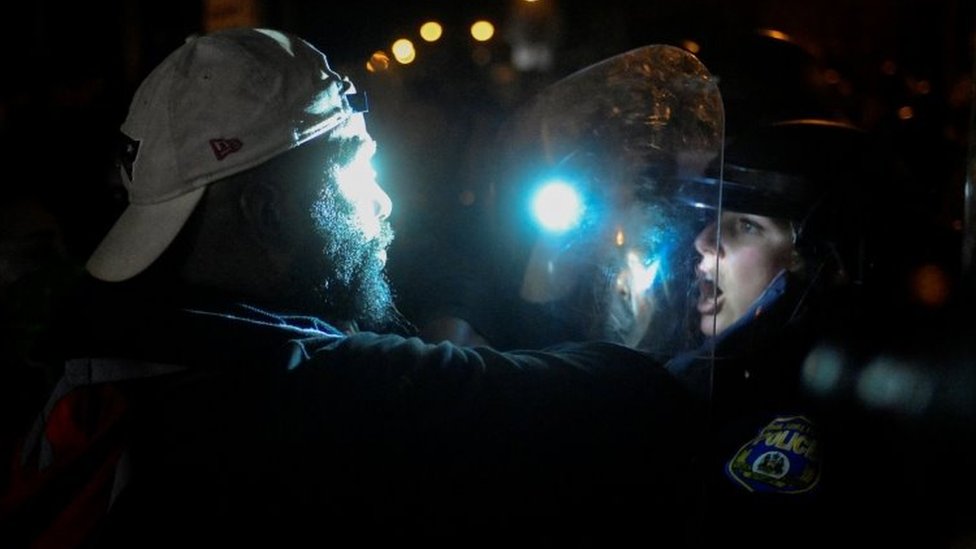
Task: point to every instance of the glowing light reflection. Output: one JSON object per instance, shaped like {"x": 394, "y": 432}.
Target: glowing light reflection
{"x": 641, "y": 276}
{"x": 404, "y": 51}
{"x": 557, "y": 206}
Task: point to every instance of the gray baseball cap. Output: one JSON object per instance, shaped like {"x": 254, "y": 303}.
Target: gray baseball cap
{"x": 220, "y": 104}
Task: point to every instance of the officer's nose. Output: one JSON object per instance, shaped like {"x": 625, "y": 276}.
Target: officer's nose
{"x": 705, "y": 241}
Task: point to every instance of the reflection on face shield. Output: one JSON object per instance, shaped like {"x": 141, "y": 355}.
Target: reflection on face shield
{"x": 632, "y": 304}
{"x": 557, "y": 206}
{"x": 631, "y": 297}
{"x": 622, "y": 277}
{"x": 610, "y": 251}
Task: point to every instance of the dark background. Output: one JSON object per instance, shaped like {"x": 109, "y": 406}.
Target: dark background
{"x": 901, "y": 68}
{"x": 69, "y": 69}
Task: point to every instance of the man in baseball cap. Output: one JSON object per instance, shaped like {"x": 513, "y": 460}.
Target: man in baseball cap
{"x": 217, "y": 107}
{"x": 215, "y": 393}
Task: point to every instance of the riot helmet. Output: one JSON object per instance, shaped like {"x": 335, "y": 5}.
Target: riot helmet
{"x": 595, "y": 238}
{"x": 804, "y": 179}
{"x": 810, "y": 172}
{"x": 767, "y": 76}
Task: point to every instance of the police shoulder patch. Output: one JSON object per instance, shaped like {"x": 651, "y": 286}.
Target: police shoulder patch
{"x": 783, "y": 458}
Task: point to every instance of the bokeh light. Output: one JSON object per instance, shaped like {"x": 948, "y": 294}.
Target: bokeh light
{"x": 403, "y": 51}
{"x": 691, "y": 46}
{"x": 431, "y": 31}
{"x": 482, "y": 30}
{"x": 379, "y": 61}
{"x": 773, "y": 33}
{"x": 930, "y": 285}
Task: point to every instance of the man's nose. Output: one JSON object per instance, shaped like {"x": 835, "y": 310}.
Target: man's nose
{"x": 382, "y": 204}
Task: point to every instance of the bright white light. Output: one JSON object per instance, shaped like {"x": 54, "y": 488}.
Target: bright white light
{"x": 357, "y": 183}
{"x": 642, "y": 276}
{"x": 557, "y": 206}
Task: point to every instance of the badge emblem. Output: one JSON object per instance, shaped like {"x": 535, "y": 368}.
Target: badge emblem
{"x": 784, "y": 458}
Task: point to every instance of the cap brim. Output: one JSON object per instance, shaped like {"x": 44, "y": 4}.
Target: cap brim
{"x": 140, "y": 236}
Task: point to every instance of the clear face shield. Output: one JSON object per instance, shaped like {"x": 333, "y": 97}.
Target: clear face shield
{"x": 594, "y": 167}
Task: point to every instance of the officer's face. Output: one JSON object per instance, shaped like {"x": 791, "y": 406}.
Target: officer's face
{"x": 753, "y": 250}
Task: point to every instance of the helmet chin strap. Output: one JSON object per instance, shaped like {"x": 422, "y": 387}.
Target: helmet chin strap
{"x": 809, "y": 283}
{"x": 816, "y": 272}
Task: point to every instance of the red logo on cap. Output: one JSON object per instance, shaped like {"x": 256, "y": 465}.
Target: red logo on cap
{"x": 223, "y": 147}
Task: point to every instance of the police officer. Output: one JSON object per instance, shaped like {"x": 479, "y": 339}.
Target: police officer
{"x": 788, "y": 260}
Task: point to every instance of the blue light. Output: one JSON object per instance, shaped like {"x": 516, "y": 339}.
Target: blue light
{"x": 557, "y": 206}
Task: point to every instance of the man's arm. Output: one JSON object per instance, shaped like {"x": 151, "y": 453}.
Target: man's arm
{"x": 576, "y": 436}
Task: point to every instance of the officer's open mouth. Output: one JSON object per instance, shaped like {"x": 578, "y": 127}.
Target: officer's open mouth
{"x": 708, "y": 295}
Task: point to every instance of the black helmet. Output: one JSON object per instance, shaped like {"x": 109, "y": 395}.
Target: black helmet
{"x": 766, "y": 76}
{"x": 812, "y": 172}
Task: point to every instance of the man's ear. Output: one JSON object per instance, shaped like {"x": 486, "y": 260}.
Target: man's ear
{"x": 262, "y": 208}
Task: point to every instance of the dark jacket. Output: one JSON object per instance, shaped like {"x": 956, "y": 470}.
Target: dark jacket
{"x": 280, "y": 429}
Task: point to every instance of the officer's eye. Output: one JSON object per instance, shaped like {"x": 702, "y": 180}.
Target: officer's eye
{"x": 749, "y": 226}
